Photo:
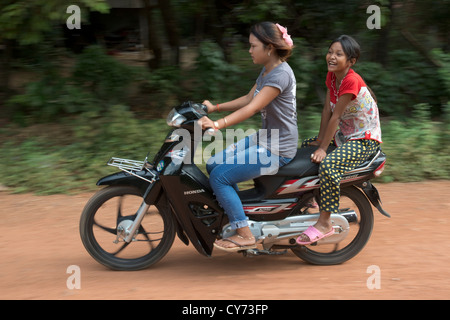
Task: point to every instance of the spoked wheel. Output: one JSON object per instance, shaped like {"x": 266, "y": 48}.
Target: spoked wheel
{"x": 352, "y": 199}
{"x": 114, "y": 209}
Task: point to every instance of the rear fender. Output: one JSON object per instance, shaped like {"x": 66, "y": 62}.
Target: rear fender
{"x": 374, "y": 197}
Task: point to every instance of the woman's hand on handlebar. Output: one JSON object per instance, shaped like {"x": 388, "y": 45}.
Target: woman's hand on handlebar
{"x": 210, "y": 106}
{"x": 206, "y": 123}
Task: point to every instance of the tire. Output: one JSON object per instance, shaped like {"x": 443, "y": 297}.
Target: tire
{"x": 337, "y": 254}
{"x": 118, "y": 204}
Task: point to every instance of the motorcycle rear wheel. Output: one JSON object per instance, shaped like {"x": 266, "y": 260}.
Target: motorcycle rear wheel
{"x": 351, "y": 198}
{"x": 117, "y": 205}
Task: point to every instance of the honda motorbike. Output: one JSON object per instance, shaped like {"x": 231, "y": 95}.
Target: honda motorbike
{"x": 131, "y": 223}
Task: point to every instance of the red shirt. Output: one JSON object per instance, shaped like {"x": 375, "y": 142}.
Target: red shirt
{"x": 360, "y": 119}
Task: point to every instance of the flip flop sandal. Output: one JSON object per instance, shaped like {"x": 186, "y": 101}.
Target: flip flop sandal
{"x": 314, "y": 235}
{"x": 239, "y": 247}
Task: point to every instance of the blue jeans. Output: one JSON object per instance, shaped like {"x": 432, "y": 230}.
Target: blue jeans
{"x": 242, "y": 161}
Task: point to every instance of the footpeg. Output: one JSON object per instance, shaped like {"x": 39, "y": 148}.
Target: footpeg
{"x": 256, "y": 252}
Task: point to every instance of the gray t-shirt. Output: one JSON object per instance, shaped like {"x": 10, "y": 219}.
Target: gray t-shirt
{"x": 279, "y": 132}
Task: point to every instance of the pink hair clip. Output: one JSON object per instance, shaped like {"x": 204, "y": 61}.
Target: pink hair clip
{"x": 286, "y": 36}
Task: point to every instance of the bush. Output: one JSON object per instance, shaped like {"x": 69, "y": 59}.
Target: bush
{"x": 164, "y": 89}
{"x": 416, "y": 147}
{"x": 215, "y": 78}
{"x": 97, "y": 81}
{"x": 44, "y": 164}
{"x": 407, "y": 81}
{"x": 47, "y": 99}
{"x": 103, "y": 76}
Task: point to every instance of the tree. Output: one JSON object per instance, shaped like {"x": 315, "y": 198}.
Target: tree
{"x": 170, "y": 24}
{"x": 26, "y": 22}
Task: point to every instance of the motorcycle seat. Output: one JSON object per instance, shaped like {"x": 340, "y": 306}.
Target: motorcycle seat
{"x": 301, "y": 165}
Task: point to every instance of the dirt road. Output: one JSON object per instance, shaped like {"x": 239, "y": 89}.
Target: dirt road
{"x": 410, "y": 252}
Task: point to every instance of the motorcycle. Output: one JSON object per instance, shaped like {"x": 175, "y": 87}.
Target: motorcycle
{"x": 131, "y": 223}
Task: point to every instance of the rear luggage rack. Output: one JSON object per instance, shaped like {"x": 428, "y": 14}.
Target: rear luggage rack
{"x": 362, "y": 169}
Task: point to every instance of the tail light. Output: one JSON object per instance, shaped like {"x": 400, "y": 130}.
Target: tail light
{"x": 379, "y": 170}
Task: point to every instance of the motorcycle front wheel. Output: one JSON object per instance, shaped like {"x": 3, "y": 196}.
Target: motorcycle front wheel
{"x": 352, "y": 199}
{"x": 115, "y": 207}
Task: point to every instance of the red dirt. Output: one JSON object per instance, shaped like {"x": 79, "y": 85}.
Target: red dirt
{"x": 40, "y": 240}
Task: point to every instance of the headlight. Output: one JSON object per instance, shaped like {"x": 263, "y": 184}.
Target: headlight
{"x": 174, "y": 119}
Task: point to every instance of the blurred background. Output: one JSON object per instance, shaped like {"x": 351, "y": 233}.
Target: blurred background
{"x": 72, "y": 98}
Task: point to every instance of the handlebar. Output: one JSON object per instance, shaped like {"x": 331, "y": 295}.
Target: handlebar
{"x": 204, "y": 107}
{"x": 210, "y": 132}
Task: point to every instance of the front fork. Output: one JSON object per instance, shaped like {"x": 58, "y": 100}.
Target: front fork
{"x": 130, "y": 232}
{"x": 150, "y": 197}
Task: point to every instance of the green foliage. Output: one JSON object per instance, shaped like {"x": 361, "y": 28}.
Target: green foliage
{"x": 444, "y": 70}
{"x": 164, "y": 88}
{"x": 416, "y": 147}
{"x": 213, "y": 76}
{"x": 28, "y": 21}
{"x": 97, "y": 81}
{"x": 72, "y": 159}
{"x": 47, "y": 99}
{"x": 407, "y": 81}
{"x": 42, "y": 163}
{"x": 254, "y": 11}
{"x": 305, "y": 70}
{"x": 103, "y": 76}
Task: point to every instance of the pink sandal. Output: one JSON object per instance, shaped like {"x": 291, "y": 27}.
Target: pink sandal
{"x": 314, "y": 235}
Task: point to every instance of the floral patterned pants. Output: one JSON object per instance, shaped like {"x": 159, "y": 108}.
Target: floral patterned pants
{"x": 344, "y": 158}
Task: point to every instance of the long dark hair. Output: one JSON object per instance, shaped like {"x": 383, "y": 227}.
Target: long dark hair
{"x": 352, "y": 50}
{"x": 268, "y": 33}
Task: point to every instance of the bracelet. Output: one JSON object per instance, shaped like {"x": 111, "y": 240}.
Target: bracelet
{"x": 217, "y": 105}
{"x": 216, "y": 125}
{"x": 226, "y": 122}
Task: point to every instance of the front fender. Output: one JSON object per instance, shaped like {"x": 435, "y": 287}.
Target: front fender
{"x": 126, "y": 179}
